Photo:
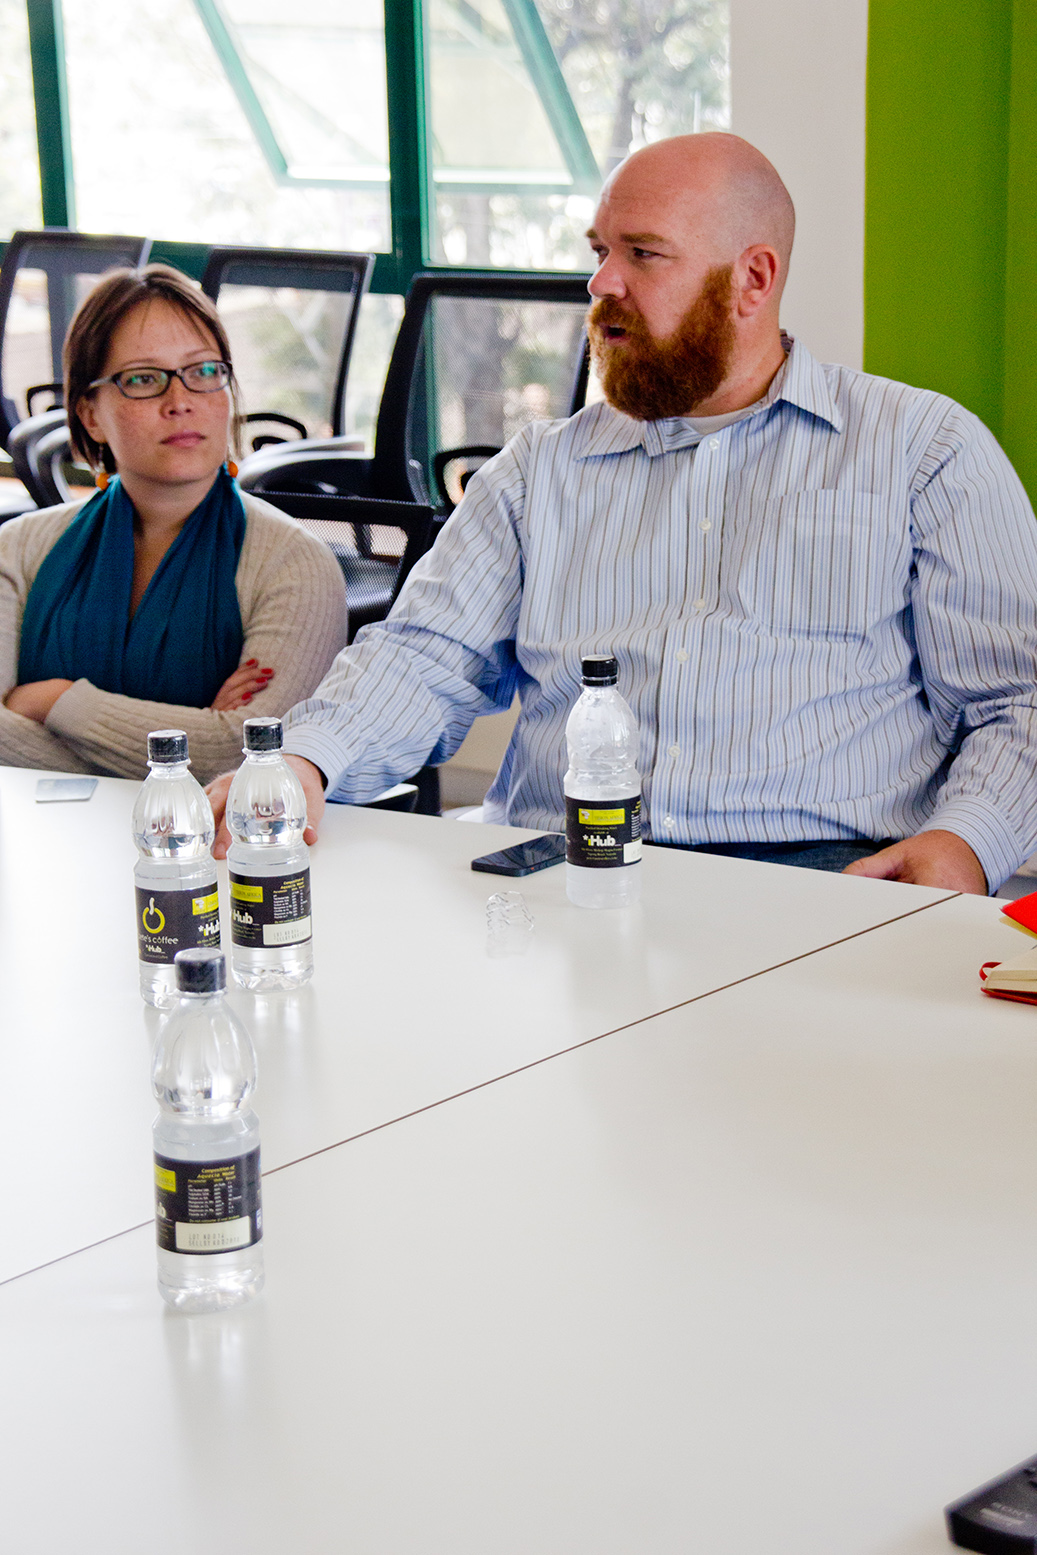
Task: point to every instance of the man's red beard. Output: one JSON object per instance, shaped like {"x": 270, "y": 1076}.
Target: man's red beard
{"x": 653, "y": 379}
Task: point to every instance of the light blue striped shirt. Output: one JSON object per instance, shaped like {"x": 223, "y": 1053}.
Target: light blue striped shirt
{"x": 825, "y": 617}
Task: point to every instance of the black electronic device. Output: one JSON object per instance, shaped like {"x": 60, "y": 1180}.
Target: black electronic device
{"x": 1000, "y": 1518}
{"x": 525, "y": 858}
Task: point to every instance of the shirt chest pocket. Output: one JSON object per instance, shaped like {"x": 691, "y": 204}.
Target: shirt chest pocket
{"x": 823, "y": 563}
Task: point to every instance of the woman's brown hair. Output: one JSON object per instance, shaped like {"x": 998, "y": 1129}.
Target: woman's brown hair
{"x": 89, "y": 336}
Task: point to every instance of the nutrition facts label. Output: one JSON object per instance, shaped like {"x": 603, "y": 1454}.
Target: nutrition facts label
{"x": 270, "y": 911}
{"x": 207, "y": 1206}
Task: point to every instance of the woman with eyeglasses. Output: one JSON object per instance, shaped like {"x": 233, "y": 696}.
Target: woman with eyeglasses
{"x": 170, "y": 598}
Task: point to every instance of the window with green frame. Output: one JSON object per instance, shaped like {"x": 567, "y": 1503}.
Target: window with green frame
{"x": 434, "y": 133}
{"x": 442, "y": 132}
{"x": 19, "y": 176}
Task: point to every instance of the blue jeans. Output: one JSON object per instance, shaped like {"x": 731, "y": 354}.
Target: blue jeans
{"x": 832, "y": 856}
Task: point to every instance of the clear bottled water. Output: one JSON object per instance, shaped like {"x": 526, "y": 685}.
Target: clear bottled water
{"x": 208, "y": 1214}
{"x": 269, "y": 864}
{"x": 602, "y": 793}
{"x": 175, "y": 876}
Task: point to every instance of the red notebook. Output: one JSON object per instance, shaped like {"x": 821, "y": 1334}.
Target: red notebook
{"x": 1015, "y": 979}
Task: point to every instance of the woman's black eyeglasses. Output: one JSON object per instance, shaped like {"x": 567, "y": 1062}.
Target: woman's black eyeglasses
{"x": 147, "y": 383}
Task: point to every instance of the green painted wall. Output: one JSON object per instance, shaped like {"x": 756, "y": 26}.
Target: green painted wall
{"x": 937, "y": 153}
{"x": 950, "y": 257}
{"x": 1019, "y": 415}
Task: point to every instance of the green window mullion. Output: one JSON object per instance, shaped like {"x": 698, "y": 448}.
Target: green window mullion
{"x": 546, "y": 76}
{"x": 405, "y": 55}
{"x": 50, "y": 94}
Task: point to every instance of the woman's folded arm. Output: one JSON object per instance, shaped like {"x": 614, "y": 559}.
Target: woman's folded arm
{"x": 292, "y": 599}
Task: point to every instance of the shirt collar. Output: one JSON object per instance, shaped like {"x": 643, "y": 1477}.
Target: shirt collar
{"x": 805, "y": 385}
{"x": 606, "y": 431}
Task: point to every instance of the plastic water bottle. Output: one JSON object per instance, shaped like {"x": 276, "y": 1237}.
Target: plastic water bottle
{"x": 208, "y": 1216}
{"x": 271, "y": 936}
{"x": 602, "y": 793}
{"x": 175, "y": 876}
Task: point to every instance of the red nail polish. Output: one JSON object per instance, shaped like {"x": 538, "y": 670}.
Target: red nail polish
{"x": 251, "y": 663}
{"x": 266, "y": 672}
{"x": 247, "y": 697}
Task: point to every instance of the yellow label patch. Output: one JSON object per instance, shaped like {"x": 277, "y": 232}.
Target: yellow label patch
{"x": 246, "y": 893}
{"x": 602, "y": 817}
{"x": 165, "y": 1179}
{"x": 1010, "y": 923}
{"x": 204, "y": 904}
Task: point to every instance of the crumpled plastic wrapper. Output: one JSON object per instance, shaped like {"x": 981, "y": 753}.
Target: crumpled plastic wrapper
{"x": 509, "y": 924}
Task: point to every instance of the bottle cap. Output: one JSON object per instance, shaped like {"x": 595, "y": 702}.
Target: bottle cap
{"x": 600, "y": 669}
{"x": 263, "y": 734}
{"x": 202, "y": 970}
{"x": 166, "y": 746}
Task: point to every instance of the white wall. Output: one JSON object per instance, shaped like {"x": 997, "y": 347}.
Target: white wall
{"x": 797, "y": 89}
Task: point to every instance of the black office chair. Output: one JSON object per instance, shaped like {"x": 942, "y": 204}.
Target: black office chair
{"x": 475, "y": 358}
{"x": 40, "y": 452}
{"x": 48, "y": 274}
{"x": 291, "y": 318}
{"x": 451, "y": 465}
{"x": 376, "y": 544}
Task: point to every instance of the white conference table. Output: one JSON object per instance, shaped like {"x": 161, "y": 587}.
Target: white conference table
{"x": 758, "y": 1272}
{"x": 406, "y": 1007}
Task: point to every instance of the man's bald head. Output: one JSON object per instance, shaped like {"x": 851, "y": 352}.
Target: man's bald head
{"x": 691, "y": 240}
{"x": 719, "y": 182}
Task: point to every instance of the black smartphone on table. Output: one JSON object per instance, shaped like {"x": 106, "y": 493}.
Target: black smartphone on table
{"x": 524, "y": 858}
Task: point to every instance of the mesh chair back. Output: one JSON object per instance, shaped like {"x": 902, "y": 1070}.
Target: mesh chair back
{"x": 43, "y": 279}
{"x": 291, "y": 317}
{"x": 376, "y": 544}
{"x": 50, "y": 457}
{"x": 23, "y": 446}
{"x": 477, "y": 357}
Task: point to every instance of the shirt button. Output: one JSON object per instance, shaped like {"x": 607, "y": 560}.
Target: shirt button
{"x": 682, "y": 655}
{"x": 714, "y": 442}
{"x": 705, "y": 523}
{"x": 675, "y": 750}
{"x": 669, "y": 823}
{"x": 700, "y": 604}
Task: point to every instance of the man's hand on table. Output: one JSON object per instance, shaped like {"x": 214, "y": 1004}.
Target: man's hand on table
{"x": 312, "y": 782}
{"x": 936, "y": 858}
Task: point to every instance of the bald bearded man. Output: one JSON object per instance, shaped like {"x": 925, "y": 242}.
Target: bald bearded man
{"x": 820, "y": 585}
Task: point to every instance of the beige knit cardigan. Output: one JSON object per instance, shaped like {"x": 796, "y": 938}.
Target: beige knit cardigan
{"x": 293, "y": 612}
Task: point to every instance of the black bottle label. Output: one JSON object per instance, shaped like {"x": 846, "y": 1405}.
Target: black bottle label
{"x": 603, "y": 833}
{"x": 168, "y": 921}
{"x": 207, "y": 1206}
{"x": 270, "y": 910}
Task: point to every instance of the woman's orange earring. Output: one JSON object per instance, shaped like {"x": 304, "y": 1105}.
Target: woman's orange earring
{"x": 232, "y": 468}
{"x": 101, "y": 480}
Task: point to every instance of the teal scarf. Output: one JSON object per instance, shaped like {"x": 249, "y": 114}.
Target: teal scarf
{"x": 185, "y": 636}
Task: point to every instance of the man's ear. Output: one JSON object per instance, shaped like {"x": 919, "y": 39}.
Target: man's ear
{"x": 756, "y": 275}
